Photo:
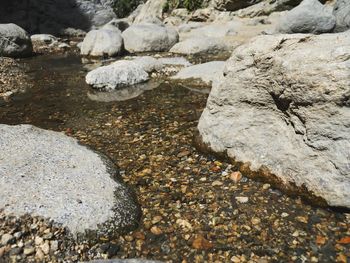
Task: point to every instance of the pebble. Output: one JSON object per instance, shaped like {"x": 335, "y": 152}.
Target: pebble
{"x": 156, "y": 230}
{"x": 7, "y": 239}
{"x": 45, "y": 248}
{"x": 28, "y": 251}
{"x": 54, "y": 245}
{"x": 38, "y": 241}
{"x": 236, "y": 176}
{"x": 242, "y": 199}
{"x": 39, "y": 254}
{"x": 266, "y": 186}
{"x": 217, "y": 183}
{"x": 284, "y": 214}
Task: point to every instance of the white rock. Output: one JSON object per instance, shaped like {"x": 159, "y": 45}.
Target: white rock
{"x": 117, "y": 75}
{"x": 103, "y": 42}
{"x": 284, "y": 104}
{"x": 49, "y": 174}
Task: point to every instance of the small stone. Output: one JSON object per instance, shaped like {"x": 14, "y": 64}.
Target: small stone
{"x": 16, "y": 251}
{"x": 255, "y": 221}
{"x": 156, "y": 230}
{"x": 302, "y": 219}
{"x": 18, "y": 235}
{"x": 139, "y": 235}
{"x": 7, "y": 239}
{"x": 113, "y": 250}
{"x": 28, "y": 251}
{"x": 129, "y": 238}
{"x": 284, "y": 214}
{"x": 236, "y": 177}
{"x": 38, "y": 241}
{"x": 156, "y": 219}
{"x": 54, "y": 245}
{"x": 201, "y": 243}
{"x": 266, "y": 186}
{"x": 45, "y": 248}
{"x": 217, "y": 183}
{"x": 48, "y": 236}
{"x": 39, "y": 254}
{"x": 183, "y": 154}
{"x": 296, "y": 233}
{"x": 242, "y": 199}
{"x": 235, "y": 259}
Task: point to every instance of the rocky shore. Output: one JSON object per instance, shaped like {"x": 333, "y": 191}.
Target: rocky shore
{"x": 216, "y": 132}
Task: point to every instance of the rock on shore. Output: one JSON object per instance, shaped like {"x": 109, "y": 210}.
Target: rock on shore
{"x": 48, "y": 174}
{"x": 14, "y": 41}
{"x": 283, "y": 108}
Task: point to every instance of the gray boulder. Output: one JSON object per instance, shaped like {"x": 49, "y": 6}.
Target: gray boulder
{"x": 43, "y": 38}
{"x": 14, "y": 41}
{"x": 342, "y": 14}
{"x": 49, "y": 174}
{"x": 283, "y": 114}
{"x": 151, "y": 9}
{"x": 117, "y": 75}
{"x": 308, "y": 17}
{"x": 104, "y": 42}
{"x": 207, "y": 73}
{"x": 267, "y": 7}
{"x": 199, "y": 45}
{"x": 147, "y": 37}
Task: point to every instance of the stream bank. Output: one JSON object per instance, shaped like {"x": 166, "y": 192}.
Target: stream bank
{"x": 194, "y": 208}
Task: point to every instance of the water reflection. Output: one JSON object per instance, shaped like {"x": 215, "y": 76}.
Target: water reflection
{"x": 123, "y": 94}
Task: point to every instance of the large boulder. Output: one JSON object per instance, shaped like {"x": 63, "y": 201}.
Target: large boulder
{"x": 147, "y": 37}
{"x": 282, "y": 112}
{"x": 48, "y": 16}
{"x": 216, "y": 30}
{"x": 267, "y": 7}
{"x": 14, "y": 41}
{"x": 117, "y": 75}
{"x": 49, "y": 174}
{"x": 151, "y": 9}
{"x": 104, "y": 42}
{"x": 342, "y": 14}
{"x": 199, "y": 45}
{"x": 308, "y": 17}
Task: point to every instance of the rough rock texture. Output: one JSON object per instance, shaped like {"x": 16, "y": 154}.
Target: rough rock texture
{"x": 308, "y": 17}
{"x": 149, "y": 37}
{"x": 284, "y": 104}
{"x": 148, "y": 63}
{"x": 52, "y": 16}
{"x": 48, "y": 174}
{"x": 43, "y": 38}
{"x": 151, "y": 9}
{"x": 208, "y": 72}
{"x": 232, "y": 5}
{"x": 200, "y": 45}
{"x": 14, "y": 41}
{"x": 104, "y": 42}
{"x": 342, "y": 14}
{"x": 117, "y": 75}
{"x": 267, "y": 7}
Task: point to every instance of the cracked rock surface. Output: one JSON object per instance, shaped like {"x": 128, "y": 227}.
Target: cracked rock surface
{"x": 284, "y": 104}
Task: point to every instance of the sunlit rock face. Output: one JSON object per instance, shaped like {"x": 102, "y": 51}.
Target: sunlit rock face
{"x": 283, "y": 106}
